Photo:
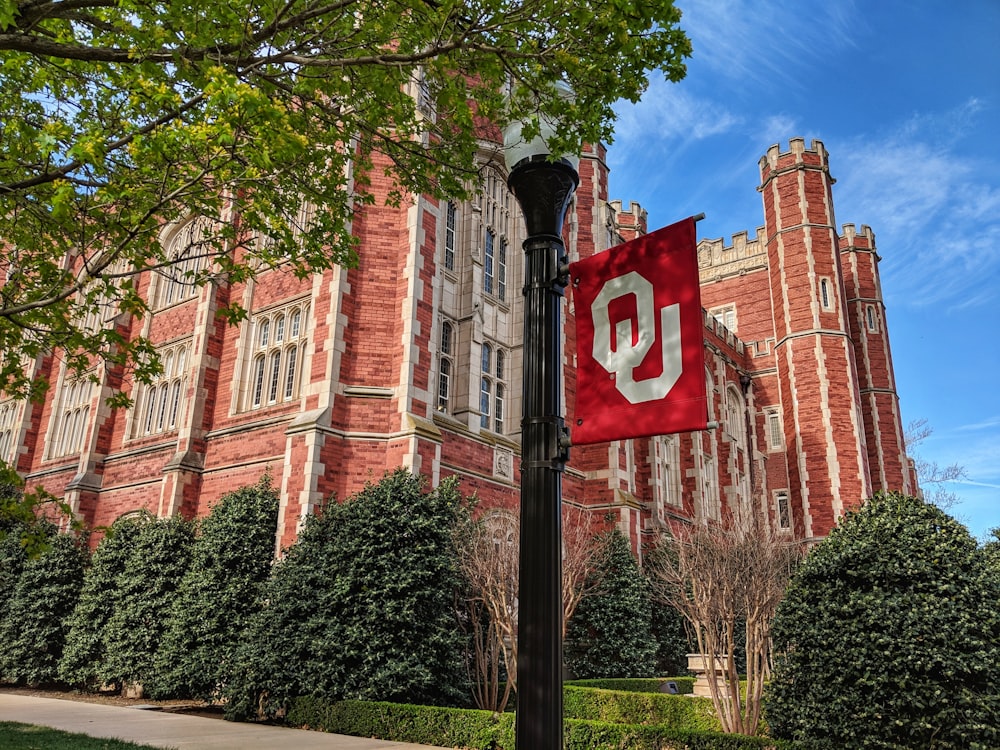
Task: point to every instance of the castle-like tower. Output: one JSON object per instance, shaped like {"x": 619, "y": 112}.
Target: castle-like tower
{"x": 413, "y": 358}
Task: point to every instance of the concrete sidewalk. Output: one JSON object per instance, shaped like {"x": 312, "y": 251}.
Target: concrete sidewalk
{"x": 167, "y": 730}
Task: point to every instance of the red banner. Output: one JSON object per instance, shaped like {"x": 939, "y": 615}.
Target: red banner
{"x": 640, "y": 343}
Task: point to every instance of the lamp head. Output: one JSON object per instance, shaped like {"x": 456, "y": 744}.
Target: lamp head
{"x": 517, "y": 149}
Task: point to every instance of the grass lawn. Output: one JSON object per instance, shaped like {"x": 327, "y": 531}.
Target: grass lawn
{"x": 15, "y": 736}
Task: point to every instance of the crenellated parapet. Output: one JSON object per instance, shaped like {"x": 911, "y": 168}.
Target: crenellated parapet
{"x": 851, "y": 238}
{"x": 717, "y": 260}
{"x": 629, "y": 222}
{"x": 776, "y": 162}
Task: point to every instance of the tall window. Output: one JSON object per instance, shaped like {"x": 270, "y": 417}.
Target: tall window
{"x": 493, "y": 389}
{"x": 445, "y": 367}
{"x": 161, "y": 403}
{"x": 496, "y": 219}
{"x": 667, "y": 473}
{"x": 9, "y": 417}
{"x": 187, "y": 249}
{"x": 278, "y": 346}
{"x": 784, "y": 511}
{"x": 735, "y": 423}
{"x": 488, "y": 278}
{"x": 449, "y": 237}
{"x": 824, "y": 293}
{"x": 870, "y": 318}
{"x": 775, "y": 438}
{"x": 70, "y": 429}
{"x": 710, "y": 487}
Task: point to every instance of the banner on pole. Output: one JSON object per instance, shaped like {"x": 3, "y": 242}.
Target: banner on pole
{"x": 640, "y": 343}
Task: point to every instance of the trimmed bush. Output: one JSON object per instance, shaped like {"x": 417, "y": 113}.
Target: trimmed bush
{"x": 230, "y": 561}
{"x": 483, "y": 730}
{"x": 610, "y": 634}
{"x": 143, "y": 597}
{"x": 889, "y": 635}
{"x": 685, "y": 685}
{"x": 85, "y": 640}
{"x": 428, "y": 725}
{"x": 33, "y": 631}
{"x": 363, "y": 606}
{"x": 674, "y": 711}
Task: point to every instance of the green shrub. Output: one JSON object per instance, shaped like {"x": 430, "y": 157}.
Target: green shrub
{"x": 230, "y": 561}
{"x": 610, "y": 633}
{"x": 33, "y": 630}
{"x": 363, "y": 606}
{"x": 889, "y": 636}
{"x": 483, "y": 730}
{"x": 674, "y": 711}
{"x": 143, "y": 596}
{"x": 85, "y": 640}
{"x": 429, "y": 725}
{"x": 685, "y": 685}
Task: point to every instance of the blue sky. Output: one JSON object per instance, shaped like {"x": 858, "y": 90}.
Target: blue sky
{"x": 905, "y": 95}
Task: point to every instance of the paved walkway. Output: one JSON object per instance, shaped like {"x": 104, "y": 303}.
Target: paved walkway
{"x": 177, "y": 731}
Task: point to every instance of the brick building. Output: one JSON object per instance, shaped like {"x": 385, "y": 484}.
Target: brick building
{"x": 413, "y": 358}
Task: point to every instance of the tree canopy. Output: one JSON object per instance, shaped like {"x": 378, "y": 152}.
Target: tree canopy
{"x": 889, "y": 635}
{"x": 120, "y": 119}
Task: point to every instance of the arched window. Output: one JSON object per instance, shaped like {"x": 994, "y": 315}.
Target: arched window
{"x": 188, "y": 248}
{"x": 73, "y": 414}
{"x": 275, "y": 360}
{"x": 825, "y": 294}
{"x": 450, "y": 236}
{"x": 493, "y": 389}
{"x": 160, "y": 405}
{"x": 495, "y": 200}
{"x": 445, "y": 367}
{"x": 735, "y": 420}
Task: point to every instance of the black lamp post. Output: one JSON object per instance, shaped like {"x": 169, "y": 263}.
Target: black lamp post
{"x": 543, "y": 188}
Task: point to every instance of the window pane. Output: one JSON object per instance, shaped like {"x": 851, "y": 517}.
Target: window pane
{"x": 498, "y": 409}
{"x": 446, "y": 338}
{"x": 484, "y": 403}
{"x": 502, "y": 269}
{"x": 258, "y": 380}
{"x": 265, "y": 329}
{"x": 290, "y": 375}
{"x": 275, "y": 373}
{"x": 449, "y": 238}
{"x": 444, "y": 384}
{"x": 500, "y": 364}
{"x": 161, "y": 407}
{"x": 296, "y": 321}
{"x": 279, "y": 329}
{"x": 175, "y": 401}
{"x": 488, "y": 263}
{"x": 487, "y": 357}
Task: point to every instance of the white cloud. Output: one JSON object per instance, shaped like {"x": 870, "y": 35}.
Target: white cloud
{"x": 935, "y": 210}
{"x": 760, "y": 42}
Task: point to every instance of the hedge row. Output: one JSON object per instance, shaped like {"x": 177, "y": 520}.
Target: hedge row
{"x": 685, "y": 685}
{"x": 467, "y": 728}
{"x": 675, "y": 711}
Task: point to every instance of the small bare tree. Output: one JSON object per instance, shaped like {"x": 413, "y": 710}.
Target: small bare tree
{"x": 723, "y": 579}
{"x": 931, "y": 477}
{"x": 488, "y": 557}
{"x": 489, "y": 552}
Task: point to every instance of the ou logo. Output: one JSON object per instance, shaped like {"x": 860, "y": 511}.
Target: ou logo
{"x": 626, "y": 355}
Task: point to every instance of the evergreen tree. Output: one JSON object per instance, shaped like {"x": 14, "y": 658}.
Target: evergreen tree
{"x": 362, "y": 607}
{"x": 231, "y": 559}
{"x": 85, "y": 641}
{"x": 610, "y": 634}
{"x": 33, "y": 629}
{"x": 144, "y": 594}
{"x": 889, "y": 635}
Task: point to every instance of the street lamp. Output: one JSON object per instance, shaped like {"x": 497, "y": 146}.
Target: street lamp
{"x": 543, "y": 186}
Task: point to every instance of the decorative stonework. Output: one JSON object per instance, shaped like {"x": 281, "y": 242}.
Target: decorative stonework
{"x": 503, "y": 463}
